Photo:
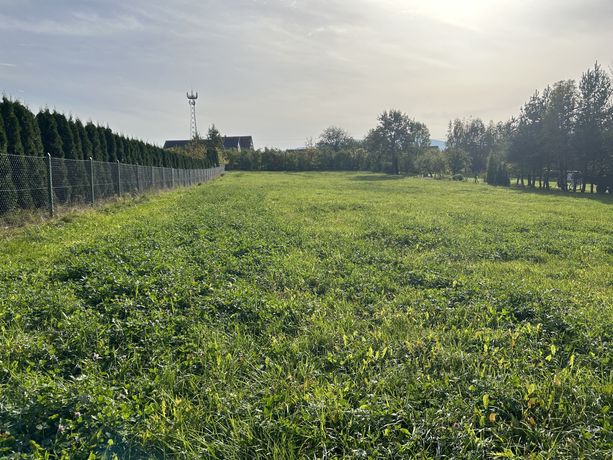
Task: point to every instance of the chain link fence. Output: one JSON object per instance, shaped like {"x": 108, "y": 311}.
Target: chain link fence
{"x": 30, "y": 183}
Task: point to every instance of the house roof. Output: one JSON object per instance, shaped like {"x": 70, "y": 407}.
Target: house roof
{"x": 236, "y": 142}
{"x": 229, "y": 142}
{"x": 173, "y": 144}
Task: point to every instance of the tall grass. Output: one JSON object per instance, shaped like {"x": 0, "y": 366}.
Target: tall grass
{"x": 318, "y": 315}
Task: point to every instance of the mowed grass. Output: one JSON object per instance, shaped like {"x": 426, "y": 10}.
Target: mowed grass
{"x": 320, "y": 315}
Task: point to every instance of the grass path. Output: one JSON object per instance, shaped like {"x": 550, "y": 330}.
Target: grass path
{"x": 320, "y": 315}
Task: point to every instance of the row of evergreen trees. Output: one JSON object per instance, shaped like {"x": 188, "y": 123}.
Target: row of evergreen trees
{"x": 28, "y": 138}
{"x": 62, "y": 137}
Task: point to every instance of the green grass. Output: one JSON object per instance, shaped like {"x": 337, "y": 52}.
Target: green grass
{"x": 312, "y": 315}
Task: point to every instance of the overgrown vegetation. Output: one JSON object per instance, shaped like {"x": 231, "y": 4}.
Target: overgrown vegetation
{"x": 312, "y": 316}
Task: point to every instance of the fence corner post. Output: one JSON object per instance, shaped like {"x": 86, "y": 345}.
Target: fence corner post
{"x": 50, "y": 184}
{"x": 91, "y": 180}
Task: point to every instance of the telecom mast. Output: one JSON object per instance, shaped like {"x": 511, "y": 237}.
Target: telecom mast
{"x": 193, "y": 128}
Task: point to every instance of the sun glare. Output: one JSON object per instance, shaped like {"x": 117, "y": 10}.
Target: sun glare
{"x": 468, "y": 13}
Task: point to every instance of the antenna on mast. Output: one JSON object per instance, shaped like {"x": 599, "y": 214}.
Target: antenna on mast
{"x": 193, "y": 127}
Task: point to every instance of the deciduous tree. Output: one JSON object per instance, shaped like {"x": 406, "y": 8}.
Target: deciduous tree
{"x": 396, "y": 136}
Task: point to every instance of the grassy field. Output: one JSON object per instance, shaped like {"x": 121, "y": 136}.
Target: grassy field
{"x": 312, "y": 316}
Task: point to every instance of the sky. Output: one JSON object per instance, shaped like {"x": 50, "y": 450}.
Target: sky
{"x": 284, "y": 70}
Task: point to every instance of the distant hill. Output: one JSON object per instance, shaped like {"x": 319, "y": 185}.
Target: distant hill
{"x": 440, "y": 144}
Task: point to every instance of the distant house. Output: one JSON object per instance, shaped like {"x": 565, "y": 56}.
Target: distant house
{"x": 238, "y": 143}
{"x": 229, "y": 143}
{"x": 175, "y": 144}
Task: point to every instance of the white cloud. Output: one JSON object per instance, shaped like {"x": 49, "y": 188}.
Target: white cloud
{"x": 83, "y": 24}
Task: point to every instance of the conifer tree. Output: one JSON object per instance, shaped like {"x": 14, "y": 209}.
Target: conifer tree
{"x": 79, "y": 179}
{"x": 8, "y": 196}
{"x": 111, "y": 145}
{"x": 98, "y": 154}
{"x": 166, "y": 161}
{"x": 135, "y": 148}
{"x": 94, "y": 140}
{"x": 78, "y": 146}
{"x": 14, "y": 147}
{"x": 33, "y": 148}
{"x": 159, "y": 159}
{"x": 214, "y": 145}
{"x": 129, "y": 151}
{"x": 86, "y": 145}
{"x": 496, "y": 173}
{"x": 65, "y": 133}
{"x": 102, "y": 141}
{"x": 594, "y": 113}
{"x": 52, "y": 144}
{"x": 492, "y": 170}
{"x": 69, "y": 153}
{"x": 12, "y": 128}
{"x": 30, "y": 133}
{"x": 106, "y": 174}
{"x": 503, "y": 175}
{"x": 142, "y": 154}
{"x": 558, "y": 125}
{"x": 121, "y": 154}
{"x": 150, "y": 158}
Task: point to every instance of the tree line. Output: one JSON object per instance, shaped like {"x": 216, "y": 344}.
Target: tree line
{"x": 389, "y": 147}
{"x": 565, "y": 133}
{"x": 27, "y": 136}
{"x": 563, "y": 136}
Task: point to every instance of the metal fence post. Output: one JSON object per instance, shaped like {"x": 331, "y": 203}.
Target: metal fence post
{"x": 91, "y": 180}
{"x": 118, "y": 178}
{"x": 152, "y": 177}
{"x": 50, "y": 184}
{"x": 138, "y": 178}
{"x": 172, "y": 177}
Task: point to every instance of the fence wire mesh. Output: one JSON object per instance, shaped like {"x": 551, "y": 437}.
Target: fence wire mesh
{"x": 31, "y": 182}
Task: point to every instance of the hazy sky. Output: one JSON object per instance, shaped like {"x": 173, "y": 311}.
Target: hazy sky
{"x": 283, "y": 70}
